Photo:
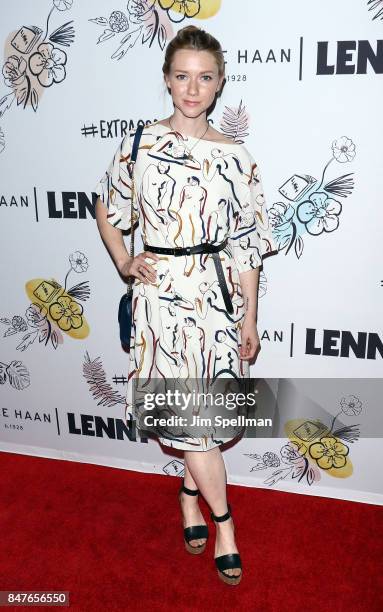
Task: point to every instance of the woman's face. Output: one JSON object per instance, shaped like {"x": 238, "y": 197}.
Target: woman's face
{"x": 193, "y": 81}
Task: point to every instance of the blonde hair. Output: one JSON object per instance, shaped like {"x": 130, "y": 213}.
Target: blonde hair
{"x": 191, "y": 37}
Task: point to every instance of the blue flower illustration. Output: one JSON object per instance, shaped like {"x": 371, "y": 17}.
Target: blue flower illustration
{"x": 319, "y": 213}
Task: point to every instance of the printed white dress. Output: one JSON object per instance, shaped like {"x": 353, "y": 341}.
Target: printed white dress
{"x": 180, "y": 327}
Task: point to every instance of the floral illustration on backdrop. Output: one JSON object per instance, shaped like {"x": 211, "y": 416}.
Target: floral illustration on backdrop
{"x": 54, "y": 309}
{"x": 102, "y": 391}
{"x": 16, "y": 373}
{"x": 35, "y": 59}
{"x": 313, "y": 448}
{"x": 377, "y": 6}
{"x": 313, "y": 207}
{"x": 2, "y": 141}
{"x": 235, "y": 123}
{"x": 150, "y": 21}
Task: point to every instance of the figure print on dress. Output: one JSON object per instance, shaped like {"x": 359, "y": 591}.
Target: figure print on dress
{"x": 181, "y": 330}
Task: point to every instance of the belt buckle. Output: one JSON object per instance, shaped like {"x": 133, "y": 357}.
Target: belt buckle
{"x": 177, "y": 254}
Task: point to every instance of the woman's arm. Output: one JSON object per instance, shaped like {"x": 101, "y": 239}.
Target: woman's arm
{"x": 249, "y": 285}
{"x": 250, "y": 342}
{"x": 127, "y": 266}
{"x": 112, "y": 237}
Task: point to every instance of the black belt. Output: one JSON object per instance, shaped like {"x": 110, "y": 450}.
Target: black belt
{"x": 204, "y": 247}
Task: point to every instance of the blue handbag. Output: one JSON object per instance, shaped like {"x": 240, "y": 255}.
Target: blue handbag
{"x": 125, "y": 306}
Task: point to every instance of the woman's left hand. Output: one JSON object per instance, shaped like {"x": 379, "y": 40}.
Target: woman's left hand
{"x": 250, "y": 342}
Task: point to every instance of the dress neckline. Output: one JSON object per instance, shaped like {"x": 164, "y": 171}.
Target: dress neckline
{"x": 186, "y": 137}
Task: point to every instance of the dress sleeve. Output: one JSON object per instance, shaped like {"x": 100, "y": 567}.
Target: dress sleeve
{"x": 250, "y": 231}
{"x": 115, "y": 187}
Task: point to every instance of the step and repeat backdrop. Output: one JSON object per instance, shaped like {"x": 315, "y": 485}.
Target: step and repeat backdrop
{"x": 303, "y": 93}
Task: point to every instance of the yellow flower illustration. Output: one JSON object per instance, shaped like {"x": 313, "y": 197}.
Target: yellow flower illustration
{"x": 183, "y": 9}
{"x": 67, "y": 313}
{"x": 186, "y": 8}
{"x": 57, "y": 305}
{"x": 329, "y": 453}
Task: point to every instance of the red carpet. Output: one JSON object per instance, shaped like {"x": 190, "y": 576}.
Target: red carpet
{"x": 103, "y": 535}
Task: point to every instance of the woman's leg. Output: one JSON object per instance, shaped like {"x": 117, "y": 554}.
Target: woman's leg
{"x": 188, "y": 478}
{"x": 190, "y": 507}
{"x": 208, "y": 471}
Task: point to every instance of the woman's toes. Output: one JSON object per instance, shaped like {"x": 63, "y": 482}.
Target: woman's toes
{"x": 233, "y": 572}
{"x": 197, "y": 542}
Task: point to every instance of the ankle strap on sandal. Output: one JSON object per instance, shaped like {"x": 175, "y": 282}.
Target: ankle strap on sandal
{"x": 223, "y": 517}
{"x": 189, "y": 491}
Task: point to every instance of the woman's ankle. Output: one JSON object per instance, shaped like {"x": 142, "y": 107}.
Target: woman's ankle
{"x": 225, "y": 526}
{"x": 191, "y": 500}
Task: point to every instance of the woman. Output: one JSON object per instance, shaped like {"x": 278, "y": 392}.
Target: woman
{"x": 194, "y": 312}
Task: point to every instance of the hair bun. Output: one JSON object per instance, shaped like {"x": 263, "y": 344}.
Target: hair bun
{"x": 193, "y": 37}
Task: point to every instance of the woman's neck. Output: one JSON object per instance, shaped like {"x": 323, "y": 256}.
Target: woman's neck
{"x": 194, "y": 127}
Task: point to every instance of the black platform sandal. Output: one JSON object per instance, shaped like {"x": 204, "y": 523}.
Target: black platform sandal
{"x": 195, "y": 532}
{"x": 229, "y": 561}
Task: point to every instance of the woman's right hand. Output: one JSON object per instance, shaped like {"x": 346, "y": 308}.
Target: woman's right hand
{"x": 140, "y": 268}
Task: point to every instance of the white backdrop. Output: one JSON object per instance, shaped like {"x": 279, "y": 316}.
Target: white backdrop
{"x": 303, "y": 88}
